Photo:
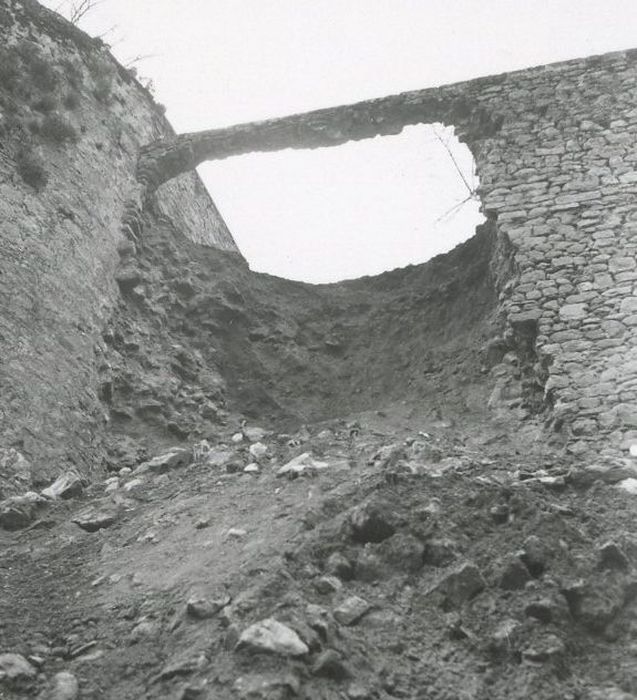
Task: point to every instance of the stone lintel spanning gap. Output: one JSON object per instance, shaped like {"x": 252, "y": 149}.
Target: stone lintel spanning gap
{"x": 162, "y": 160}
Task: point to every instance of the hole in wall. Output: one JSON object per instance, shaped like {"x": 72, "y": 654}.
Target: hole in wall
{"x": 359, "y": 209}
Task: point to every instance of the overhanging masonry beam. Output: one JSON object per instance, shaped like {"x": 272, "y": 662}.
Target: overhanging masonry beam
{"x": 162, "y": 160}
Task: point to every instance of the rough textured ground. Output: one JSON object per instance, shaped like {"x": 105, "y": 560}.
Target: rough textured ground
{"x": 483, "y": 577}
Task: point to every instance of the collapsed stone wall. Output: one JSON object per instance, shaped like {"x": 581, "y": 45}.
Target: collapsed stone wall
{"x": 555, "y": 153}
{"x": 71, "y": 125}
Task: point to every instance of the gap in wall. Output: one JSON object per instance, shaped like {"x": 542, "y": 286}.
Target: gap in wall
{"x": 359, "y": 209}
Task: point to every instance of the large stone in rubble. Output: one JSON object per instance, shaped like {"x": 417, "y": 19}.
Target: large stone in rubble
{"x": 204, "y": 607}
{"x": 267, "y": 687}
{"x": 65, "y": 486}
{"x": 94, "y": 519}
{"x": 460, "y": 585}
{"x": 15, "y": 667}
{"x": 174, "y": 459}
{"x": 64, "y": 686}
{"x": 351, "y": 610}
{"x": 372, "y": 522}
{"x": 300, "y": 465}
{"x": 19, "y": 512}
{"x": 272, "y": 636}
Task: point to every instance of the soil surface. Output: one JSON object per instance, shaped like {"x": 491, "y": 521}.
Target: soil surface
{"x": 484, "y": 573}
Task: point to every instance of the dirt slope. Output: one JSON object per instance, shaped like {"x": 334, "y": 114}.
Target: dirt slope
{"x": 484, "y": 573}
{"x": 198, "y": 335}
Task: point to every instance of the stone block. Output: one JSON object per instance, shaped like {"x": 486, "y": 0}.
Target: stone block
{"x": 573, "y": 311}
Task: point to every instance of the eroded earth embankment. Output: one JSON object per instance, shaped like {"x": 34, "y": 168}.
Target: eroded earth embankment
{"x": 197, "y": 334}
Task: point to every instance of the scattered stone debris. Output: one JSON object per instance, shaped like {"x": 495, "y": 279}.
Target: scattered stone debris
{"x": 402, "y": 552}
{"x": 258, "y": 451}
{"x": 220, "y": 458}
{"x": 236, "y": 533}
{"x": 500, "y": 513}
{"x": 535, "y": 555}
{"x": 176, "y": 458}
{"x": 629, "y": 485}
{"x": 504, "y": 636}
{"x": 372, "y": 522}
{"x": 547, "y": 648}
{"x": 272, "y": 636}
{"x": 64, "y": 686}
{"x": 263, "y": 686}
{"x": 329, "y": 663}
{"x": 111, "y": 485}
{"x": 547, "y": 609}
{"x": 93, "y": 519}
{"x": 611, "y": 556}
{"x": 18, "y": 512}
{"x": 81, "y": 650}
{"x": 365, "y": 546}
{"x": 15, "y": 473}
{"x": 351, "y": 610}
{"x": 144, "y": 629}
{"x": 340, "y": 566}
{"x": 514, "y": 575}
{"x": 201, "y": 608}
{"x": 15, "y": 667}
{"x": 609, "y": 693}
{"x": 189, "y": 663}
{"x": 68, "y": 485}
{"x": 133, "y": 485}
{"x": 611, "y": 472}
{"x": 303, "y": 464}
{"x": 460, "y": 585}
{"x": 596, "y": 602}
{"x": 254, "y": 433}
{"x": 328, "y": 584}
{"x": 358, "y": 691}
{"x": 440, "y": 552}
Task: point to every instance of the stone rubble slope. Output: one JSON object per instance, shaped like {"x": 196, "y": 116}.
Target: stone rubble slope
{"x": 416, "y": 562}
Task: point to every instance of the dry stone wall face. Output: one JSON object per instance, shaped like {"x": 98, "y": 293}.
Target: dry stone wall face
{"x": 561, "y": 178}
{"x": 71, "y": 125}
{"x": 555, "y": 149}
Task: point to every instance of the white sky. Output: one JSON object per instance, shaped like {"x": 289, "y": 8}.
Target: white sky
{"x": 363, "y": 207}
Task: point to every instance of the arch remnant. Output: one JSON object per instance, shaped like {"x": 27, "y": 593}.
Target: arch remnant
{"x": 555, "y": 150}
{"x": 165, "y": 159}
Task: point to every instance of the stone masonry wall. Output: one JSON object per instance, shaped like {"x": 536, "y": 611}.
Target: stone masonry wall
{"x": 560, "y": 178}
{"x": 555, "y": 149}
{"x": 71, "y": 125}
